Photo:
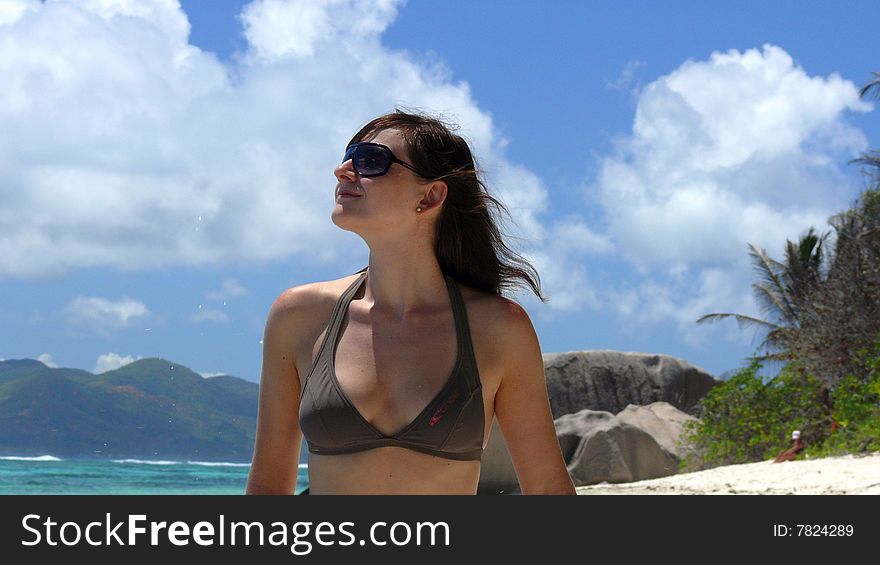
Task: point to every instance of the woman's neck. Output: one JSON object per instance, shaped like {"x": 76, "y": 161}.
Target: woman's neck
{"x": 399, "y": 286}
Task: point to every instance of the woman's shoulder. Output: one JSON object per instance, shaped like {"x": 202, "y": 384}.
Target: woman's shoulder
{"x": 489, "y": 306}
{"x": 304, "y": 300}
{"x": 496, "y": 320}
{"x": 500, "y": 330}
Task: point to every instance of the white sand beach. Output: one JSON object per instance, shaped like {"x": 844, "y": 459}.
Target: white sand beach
{"x": 833, "y": 475}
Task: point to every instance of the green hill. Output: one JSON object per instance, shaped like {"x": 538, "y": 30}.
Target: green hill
{"x": 148, "y": 409}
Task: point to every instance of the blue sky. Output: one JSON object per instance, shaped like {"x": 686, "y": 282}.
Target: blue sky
{"x": 153, "y": 205}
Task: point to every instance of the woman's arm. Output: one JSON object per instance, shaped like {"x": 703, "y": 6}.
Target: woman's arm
{"x": 276, "y": 449}
{"x": 523, "y": 409}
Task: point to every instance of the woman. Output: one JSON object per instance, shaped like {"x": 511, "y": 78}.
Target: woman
{"x": 394, "y": 374}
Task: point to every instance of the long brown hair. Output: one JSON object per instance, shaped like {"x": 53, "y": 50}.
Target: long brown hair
{"x": 468, "y": 243}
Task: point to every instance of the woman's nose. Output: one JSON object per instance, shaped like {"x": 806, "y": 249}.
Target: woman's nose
{"x": 344, "y": 171}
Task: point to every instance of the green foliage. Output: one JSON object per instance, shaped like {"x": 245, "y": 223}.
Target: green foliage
{"x": 749, "y": 419}
{"x": 856, "y": 408}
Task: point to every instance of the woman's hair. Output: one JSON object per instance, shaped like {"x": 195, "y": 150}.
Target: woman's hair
{"x": 469, "y": 245}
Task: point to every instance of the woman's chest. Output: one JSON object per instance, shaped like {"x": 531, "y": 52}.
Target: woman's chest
{"x": 392, "y": 371}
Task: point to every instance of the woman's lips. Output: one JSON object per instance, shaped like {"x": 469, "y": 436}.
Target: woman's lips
{"x": 343, "y": 195}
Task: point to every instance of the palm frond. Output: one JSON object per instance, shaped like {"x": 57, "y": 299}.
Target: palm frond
{"x": 767, "y": 268}
{"x": 873, "y": 87}
{"x": 778, "y": 339}
{"x": 769, "y": 272}
{"x": 773, "y": 303}
{"x": 741, "y": 320}
{"x": 803, "y": 264}
{"x": 871, "y": 159}
{"x": 870, "y": 162}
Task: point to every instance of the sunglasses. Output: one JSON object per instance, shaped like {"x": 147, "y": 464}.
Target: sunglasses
{"x": 372, "y": 159}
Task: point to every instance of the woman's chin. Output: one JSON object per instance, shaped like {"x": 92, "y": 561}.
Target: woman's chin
{"x": 342, "y": 218}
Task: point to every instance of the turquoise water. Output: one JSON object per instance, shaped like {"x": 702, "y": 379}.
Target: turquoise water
{"x": 53, "y": 475}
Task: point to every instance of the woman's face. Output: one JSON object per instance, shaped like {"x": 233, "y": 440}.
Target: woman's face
{"x": 387, "y": 200}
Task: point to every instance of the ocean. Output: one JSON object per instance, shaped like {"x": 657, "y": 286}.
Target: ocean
{"x": 47, "y": 474}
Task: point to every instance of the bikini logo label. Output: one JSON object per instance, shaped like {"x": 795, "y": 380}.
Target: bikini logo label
{"x": 439, "y": 412}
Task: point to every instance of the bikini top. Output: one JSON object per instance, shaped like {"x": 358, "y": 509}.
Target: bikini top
{"x": 450, "y": 426}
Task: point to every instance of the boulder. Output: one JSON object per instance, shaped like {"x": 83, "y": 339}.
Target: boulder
{"x": 663, "y": 421}
{"x": 610, "y": 381}
{"x": 598, "y": 447}
{"x": 607, "y": 380}
{"x": 640, "y": 442}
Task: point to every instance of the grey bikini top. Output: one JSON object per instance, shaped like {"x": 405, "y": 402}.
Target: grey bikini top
{"x": 450, "y": 426}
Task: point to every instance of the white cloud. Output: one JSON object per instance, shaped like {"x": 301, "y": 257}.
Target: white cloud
{"x": 742, "y": 147}
{"x": 137, "y": 150}
{"x": 46, "y": 360}
{"x": 560, "y": 262}
{"x": 208, "y": 375}
{"x": 105, "y": 315}
{"x": 12, "y": 10}
{"x": 679, "y": 302}
{"x": 296, "y": 28}
{"x": 230, "y": 289}
{"x": 209, "y": 314}
{"x": 111, "y": 361}
{"x": 125, "y": 146}
{"x": 564, "y": 281}
{"x": 572, "y": 235}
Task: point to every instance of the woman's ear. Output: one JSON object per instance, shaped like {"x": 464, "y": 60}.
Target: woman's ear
{"x": 435, "y": 196}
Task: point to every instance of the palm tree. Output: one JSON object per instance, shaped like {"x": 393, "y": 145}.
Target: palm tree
{"x": 780, "y": 292}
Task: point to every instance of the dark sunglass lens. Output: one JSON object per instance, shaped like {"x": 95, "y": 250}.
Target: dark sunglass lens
{"x": 370, "y": 160}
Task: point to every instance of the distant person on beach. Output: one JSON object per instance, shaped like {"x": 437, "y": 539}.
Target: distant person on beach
{"x": 393, "y": 374}
{"x": 791, "y": 453}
